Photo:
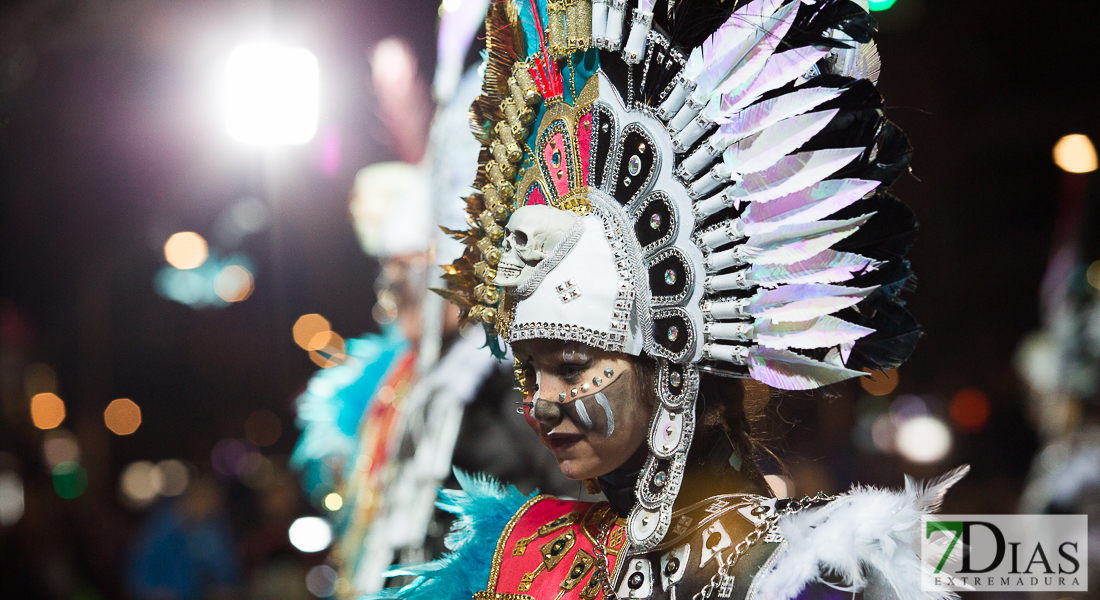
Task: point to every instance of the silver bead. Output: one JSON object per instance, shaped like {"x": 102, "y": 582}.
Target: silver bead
{"x": 584, "y": 386}
{"x": 561, "y": 396}
{"x": 608, "y": 372}
{"x": 573, "y": 392}
{"x": 597, "y": 380}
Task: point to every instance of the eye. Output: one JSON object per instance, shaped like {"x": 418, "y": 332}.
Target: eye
{"x": 570, "y": 371}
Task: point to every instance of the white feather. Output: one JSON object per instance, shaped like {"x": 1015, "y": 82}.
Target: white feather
{"x": 867, "y": 538}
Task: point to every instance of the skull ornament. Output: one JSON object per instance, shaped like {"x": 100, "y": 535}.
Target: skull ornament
{"x": 531, "y": 234}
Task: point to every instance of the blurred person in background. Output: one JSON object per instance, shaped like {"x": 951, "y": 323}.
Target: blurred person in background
{"x": 185, "y": 549}
{"x": 382, "y": 430}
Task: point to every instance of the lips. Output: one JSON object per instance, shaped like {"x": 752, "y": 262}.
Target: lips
{"x": 560, "y": 442}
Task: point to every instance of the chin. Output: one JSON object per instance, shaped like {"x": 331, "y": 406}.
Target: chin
{"x": 571, "y": 470}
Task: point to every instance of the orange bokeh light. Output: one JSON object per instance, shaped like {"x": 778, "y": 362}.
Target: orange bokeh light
{"x": 186, "y": 250}
{"x": 880, "y": 383}
{"x": 122, "y": 416}
{"x": 309, "y": 327}
{"x": 970, "y": 409}
{"x": 47, "y": 410}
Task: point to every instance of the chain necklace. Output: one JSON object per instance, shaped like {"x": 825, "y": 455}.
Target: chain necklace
{"x": 739, "y": 550}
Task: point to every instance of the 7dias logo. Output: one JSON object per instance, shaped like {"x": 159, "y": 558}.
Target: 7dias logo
{"x": 1036, "y": 553}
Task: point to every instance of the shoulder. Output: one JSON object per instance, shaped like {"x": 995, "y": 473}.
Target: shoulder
{"x": 865, "y": 540}
{"x": 485, "y": 511}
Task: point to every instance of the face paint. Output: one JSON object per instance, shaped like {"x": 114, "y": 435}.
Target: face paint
{"x": 583, "y": 411}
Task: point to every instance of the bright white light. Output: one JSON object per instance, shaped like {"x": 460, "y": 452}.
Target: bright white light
{"x": 1075, "y": 154}
{"x": 271, "y": 95}
{"x": 11, "y": 498}
{"x": 310, "y": 534}
{"x": 141, "y": 482}
{"x": 923, "y": 439}
{"x": 176, "y": 477}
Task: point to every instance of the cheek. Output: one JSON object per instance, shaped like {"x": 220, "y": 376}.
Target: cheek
{"x": 531, "y": 422}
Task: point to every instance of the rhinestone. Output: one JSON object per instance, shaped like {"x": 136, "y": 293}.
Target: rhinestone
{"x": 660, "y": 479}
{"x": 584, "y": 387}
{"x": 597, "y": 380}
{"x": 634, "y": 165}
{"x": 561, "y": 396}
{"x": 626, "y": 181}
{"x": 603, "y": 128}
{"x": 655, "y": 221}
{"x": 573, "y": 392}
{"x": 670, "y": 429}
{"x": 673, "y": 333}
{"x": 645, "y": 521}
{"x": 674, "y": 379}
{"x": 641, "y": 147}
{"x": 636, "y": 579}
{"x": 666, "y": 446}
{"x": 672, "y": 566}
{"x": 670, "y": 277}
{"x": 608, "y": 372}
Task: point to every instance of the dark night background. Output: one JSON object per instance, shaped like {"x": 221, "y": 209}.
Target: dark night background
{"x": 110, "y": 141}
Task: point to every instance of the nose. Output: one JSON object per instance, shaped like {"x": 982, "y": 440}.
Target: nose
{"x": 546, "y": 411}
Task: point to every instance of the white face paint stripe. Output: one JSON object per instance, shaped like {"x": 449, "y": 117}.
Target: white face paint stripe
{"x": 538, "y": 380}
{"x": 582, "y": 412}
{"x": 602, "y": 401}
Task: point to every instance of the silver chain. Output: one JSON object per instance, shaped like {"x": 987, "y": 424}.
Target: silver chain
{"x": 601, "y": 559}
{"x": 743, "y": 546}
{"x": 763, "y": 526}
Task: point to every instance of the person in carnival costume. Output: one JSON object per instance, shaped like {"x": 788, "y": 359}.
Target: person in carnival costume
{"x": 673, "y": 196}
{"x": 383, "y": 428}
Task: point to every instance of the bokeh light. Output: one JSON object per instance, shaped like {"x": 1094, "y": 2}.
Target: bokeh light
{"x": 186, "y": 250}
{"x": 263, "y": 428}
{"x": 235, "y": 458}
{"x": 923, "y": 439}
{"x": 122, "y": 416}
{"x": 308, "y": 327}
{"x": 1075, "y": 154}
{"x": 177, "y": 476}
{"x": 69, "y": 480}
{"x": 328, "y": 349}
{"x": 11, "y": 498}
{"x": 60, "y": 446}
{"x": 334, "y": 502}
{"x": 1093, "y": 274}
{"x": 969, "y": 409}
{"x": 879, "y": 383}
{"x": 878, "y": 5}
{"x": 310, "y": 534}
{"x": 234, "y": 283}
{"x": 271, "y": 94}
{"x": 47, "y": 410}
{"x": 141, "y": 482}
{"x": 321, "y": 581}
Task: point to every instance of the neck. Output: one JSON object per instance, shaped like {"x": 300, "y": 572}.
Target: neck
{"x": 708, "y": 473}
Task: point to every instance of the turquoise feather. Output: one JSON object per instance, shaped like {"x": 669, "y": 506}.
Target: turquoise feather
{"x": 483, "y": 507}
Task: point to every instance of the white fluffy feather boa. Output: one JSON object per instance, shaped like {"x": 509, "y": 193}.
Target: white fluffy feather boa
{"x": 866, "y": 540}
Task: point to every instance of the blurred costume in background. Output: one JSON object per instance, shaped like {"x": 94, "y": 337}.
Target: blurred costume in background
{"x": 383, "y": 428}
{"x": 185, "y": 550}
{"x": 701, "y": 185}
{"x": 1060, "y": 366}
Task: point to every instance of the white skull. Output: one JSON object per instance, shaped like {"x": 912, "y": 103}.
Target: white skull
{"x": 532, "y": 232}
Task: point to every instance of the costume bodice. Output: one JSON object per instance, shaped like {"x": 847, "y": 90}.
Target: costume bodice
{"x": 551, "y": 550}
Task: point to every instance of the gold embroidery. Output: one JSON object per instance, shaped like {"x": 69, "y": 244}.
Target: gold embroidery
{"x": 591, "y": 589}
{"x": 498, "y": 556}
{"x": 529, "y": 578}
{"x": 556, "y": 549}
{"x": 521, "y": 545}
{"x": 615, "y": 540}
{"x": 582, "y": 564}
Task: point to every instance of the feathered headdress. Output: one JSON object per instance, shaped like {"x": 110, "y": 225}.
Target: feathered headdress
{"x": 702, "y": 183}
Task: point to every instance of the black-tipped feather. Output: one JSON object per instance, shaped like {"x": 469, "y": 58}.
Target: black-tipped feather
{"x": 890, "y": 232}
{"x": 895, "y": 337}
